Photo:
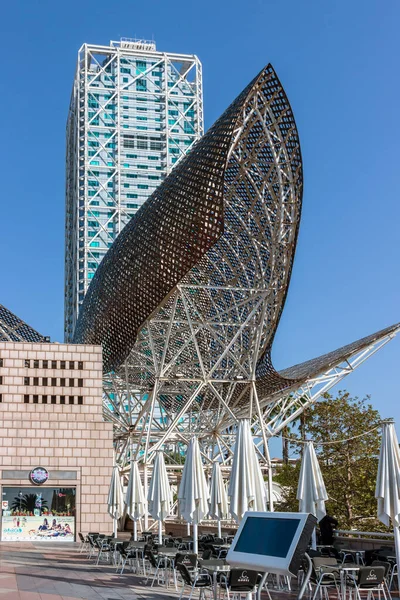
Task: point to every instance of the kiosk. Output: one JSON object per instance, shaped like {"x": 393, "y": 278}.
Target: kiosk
{"x": 272, "y": 542}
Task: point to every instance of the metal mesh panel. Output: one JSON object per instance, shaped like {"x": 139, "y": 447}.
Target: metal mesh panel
{"x": 13, "y": 329}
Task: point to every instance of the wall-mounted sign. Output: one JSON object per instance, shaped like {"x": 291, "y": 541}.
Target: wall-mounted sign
{"x": 39, "y": 475}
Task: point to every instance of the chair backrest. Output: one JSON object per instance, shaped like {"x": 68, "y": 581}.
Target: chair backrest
{"x": 320, "y": 561}
{"x": 382, "y": 563}
{"x": 81, "y": 537}
{"x": 370, "y": 577}
{"x": 218, "y": 540}
{"x": 330, "y": 551}
{"x": 242, "y": 580}
{"x": 183, "y": 570}
{"x": 189, "y": 559}
{"x": 152, "y": 559}
{"x": 207, "y": 554}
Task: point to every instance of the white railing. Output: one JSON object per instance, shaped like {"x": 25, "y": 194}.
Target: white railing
{"x": 362, "y": 534}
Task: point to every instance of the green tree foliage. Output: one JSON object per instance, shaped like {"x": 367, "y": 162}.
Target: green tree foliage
{"x": 349, "y": 469}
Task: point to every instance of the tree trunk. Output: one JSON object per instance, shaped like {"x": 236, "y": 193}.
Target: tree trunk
{"x": 285, "y": 446}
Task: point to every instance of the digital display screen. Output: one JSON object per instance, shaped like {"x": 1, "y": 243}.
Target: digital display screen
{"x": 267, "y": 536}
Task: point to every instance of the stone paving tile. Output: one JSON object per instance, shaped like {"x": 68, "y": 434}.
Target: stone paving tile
{"x": 48, "y": 572}
{"x": 38, "y": 572}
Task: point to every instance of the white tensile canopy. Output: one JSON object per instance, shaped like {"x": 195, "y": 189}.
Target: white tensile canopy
{"x": 160, "y": 495}
{"x": 246, "y": 488}
{"x": 219, "y": 508}
{"x": 387, "y": 490}
{"x": 311, "y": 491}
{"x": 193, "y": 492}
{"x": 115, "y": 499}
{"x": 134, "y": 499}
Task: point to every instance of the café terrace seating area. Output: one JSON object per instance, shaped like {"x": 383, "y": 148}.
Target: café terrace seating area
{"x": 175, "y": 570}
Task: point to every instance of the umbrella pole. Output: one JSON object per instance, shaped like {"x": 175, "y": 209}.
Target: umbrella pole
{"x": 195, "y": 548}
{"x": 270, "y": 489}
{"x": 115, "y": 528}
{"x": 146, "y": 491}
{"x": 219, "y": 528}
{"x": 160, "y": 532}
{"x": 188, "y": 529}
{"x": 135, "y": 530}
{"x": 396, "y": 532}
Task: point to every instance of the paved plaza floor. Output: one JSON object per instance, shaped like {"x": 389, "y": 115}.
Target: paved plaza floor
{"x": 30, "y": 571}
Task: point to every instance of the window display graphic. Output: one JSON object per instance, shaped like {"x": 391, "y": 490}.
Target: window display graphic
{"x": 30, "y": 529}
{"x": 45, "y": 515}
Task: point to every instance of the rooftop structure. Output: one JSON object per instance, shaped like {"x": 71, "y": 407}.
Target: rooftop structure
{"x": 134, "y": 114}
{"x": 14, "y": 329}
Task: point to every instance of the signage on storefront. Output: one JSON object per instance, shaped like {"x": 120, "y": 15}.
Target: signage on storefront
{"x": 39, "y": 475}
{"x": 34, "y": 529}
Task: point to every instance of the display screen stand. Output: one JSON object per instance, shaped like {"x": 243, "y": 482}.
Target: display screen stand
{"x": 273, "y": 542}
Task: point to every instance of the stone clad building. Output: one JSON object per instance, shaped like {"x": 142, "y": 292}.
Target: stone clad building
{"x": 51, "y": 417}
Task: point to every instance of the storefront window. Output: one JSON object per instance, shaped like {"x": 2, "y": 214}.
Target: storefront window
{"x": 38, "y": 514}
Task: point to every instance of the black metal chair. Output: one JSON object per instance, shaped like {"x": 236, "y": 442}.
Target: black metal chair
{"x": 119, "y": 549}
{"x": 126, "y": 554}
{"x": 160, "y": 564}
{"x": 189, "y": 559}
{"x": 369, "y": 579}
{"x": 387, "y": 566}
{"x": 93, "y": 546}
{"x": 105, "y": 547}
{"x": 207, "y": 553}
{"x": 84, "y": 542}
{"x": 200, "y": 581}
{"x": 238, "y": 583}
{"x": 325, "y": 575}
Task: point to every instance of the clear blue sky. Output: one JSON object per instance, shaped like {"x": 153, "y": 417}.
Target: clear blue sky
{"x": 339, "y": 63}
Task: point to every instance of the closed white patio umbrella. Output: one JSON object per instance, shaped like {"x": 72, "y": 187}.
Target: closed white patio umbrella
{"x": 387, "y": 490}
{"x": 134, "y": 499}
{"x": 219, "y": 508}
{"x": 160, "y": 495}
{"x": 311, "y": 491}
{"x": 115, "y": 499}
{"x": 246, "y": 487}
{"x": 193, "y": 492}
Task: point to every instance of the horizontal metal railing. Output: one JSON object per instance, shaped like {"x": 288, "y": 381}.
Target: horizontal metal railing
{"x": 363, "y": 534}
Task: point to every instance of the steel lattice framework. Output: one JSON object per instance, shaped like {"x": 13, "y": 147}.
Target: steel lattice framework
{"x": 187, "y": 301}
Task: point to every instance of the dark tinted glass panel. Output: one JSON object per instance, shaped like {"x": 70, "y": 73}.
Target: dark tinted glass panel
{"x": 269, "y": 537}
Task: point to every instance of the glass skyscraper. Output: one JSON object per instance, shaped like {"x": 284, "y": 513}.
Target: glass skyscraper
{"x": 134, "y": 113}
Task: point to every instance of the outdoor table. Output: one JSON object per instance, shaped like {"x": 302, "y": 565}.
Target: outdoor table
{"x": 221, "y": 547}
{"x": 359, "y": 554}
{"x": 168, "y": 553}
{"x": 214, "y": 570}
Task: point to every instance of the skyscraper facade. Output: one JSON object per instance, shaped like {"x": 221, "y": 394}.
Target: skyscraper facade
{"x": 134, "y": 113}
